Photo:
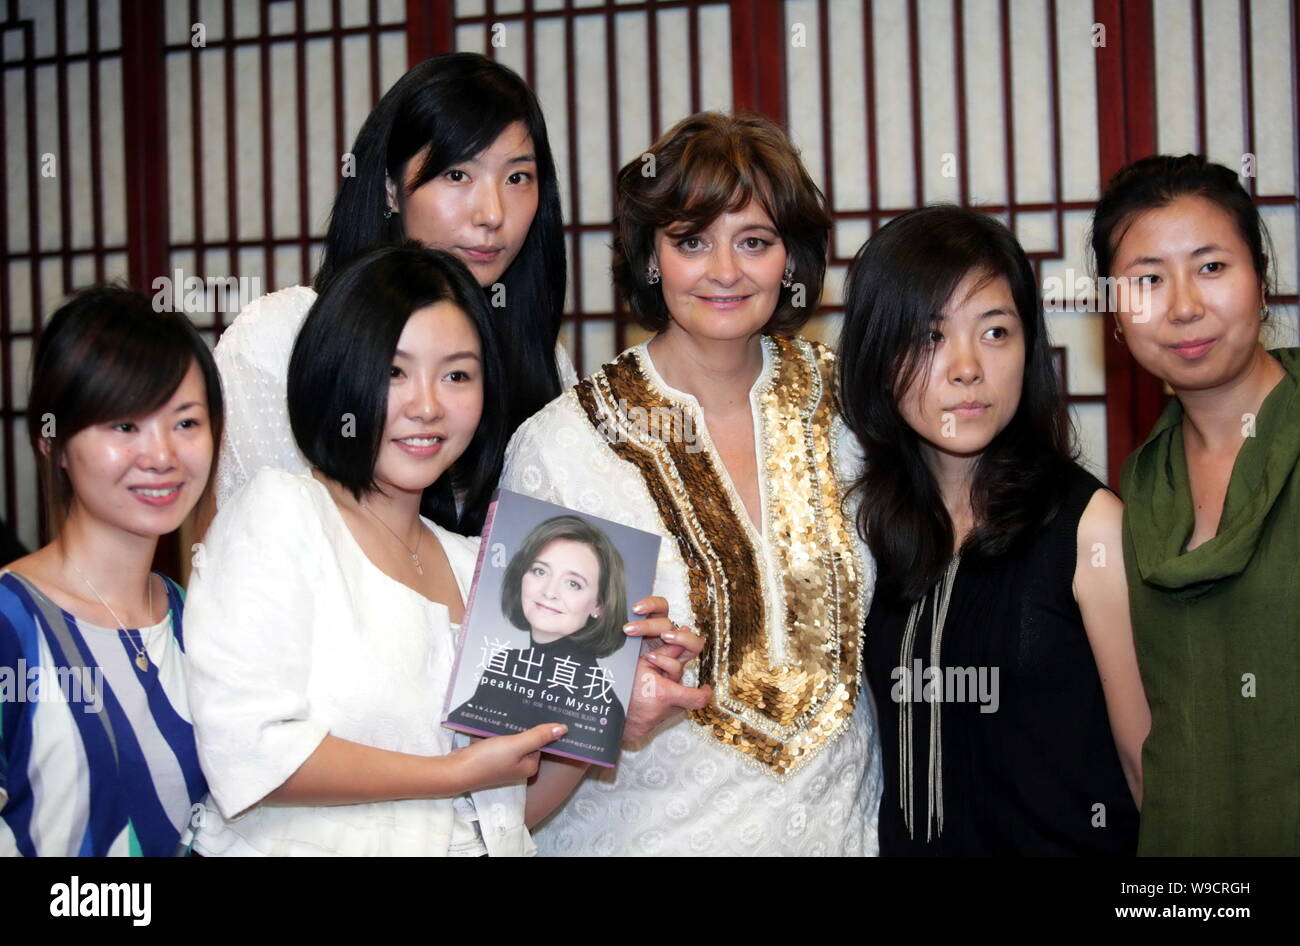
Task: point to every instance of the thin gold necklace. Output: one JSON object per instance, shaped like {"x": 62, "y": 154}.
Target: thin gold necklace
{"x": 415, "y": 557}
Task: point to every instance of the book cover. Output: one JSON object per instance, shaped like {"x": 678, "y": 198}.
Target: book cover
{"x": 542, "y": 640}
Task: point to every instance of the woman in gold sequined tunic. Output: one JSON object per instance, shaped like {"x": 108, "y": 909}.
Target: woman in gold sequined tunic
{"x": 722, "y": 434}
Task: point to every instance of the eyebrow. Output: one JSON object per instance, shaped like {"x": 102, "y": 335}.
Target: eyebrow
{"x": 454, "y": 356}
{"x": 580, "y": 575}
{"x": 1157, "y": 260}
{"x": 983, "y": 315}
{"x": 187, "y": 405}
{"x": 527, "y": 158}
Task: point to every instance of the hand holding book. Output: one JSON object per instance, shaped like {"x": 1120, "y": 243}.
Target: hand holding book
{"x": 503, "y": 760}
{"x": 658, "y": 694}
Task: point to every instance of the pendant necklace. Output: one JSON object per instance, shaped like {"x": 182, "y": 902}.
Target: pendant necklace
{"x": 141, "y": 655}
{"x": 415, "y": 556}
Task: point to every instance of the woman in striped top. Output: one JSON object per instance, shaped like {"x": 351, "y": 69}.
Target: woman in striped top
{"x": 96, "y": 748}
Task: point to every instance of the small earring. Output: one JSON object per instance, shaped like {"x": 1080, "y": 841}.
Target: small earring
{"x": 652, "y": 274}
{"x": 388, "y": 213}
{"x": 1263, "y": 313}
{"x": 1117, "y": 334}
{"x": 787, "y": 277}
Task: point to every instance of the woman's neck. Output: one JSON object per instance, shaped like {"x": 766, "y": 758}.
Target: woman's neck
{"x": 116, "y": 563}
{"x": 718, "y": 374}
{"x": 953, "y": 475}
{"x": 1215, "y": 420}
{"x": 399, "y": 510}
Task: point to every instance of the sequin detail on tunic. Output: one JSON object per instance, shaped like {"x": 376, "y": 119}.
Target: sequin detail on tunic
{"x": 785, "y": 684}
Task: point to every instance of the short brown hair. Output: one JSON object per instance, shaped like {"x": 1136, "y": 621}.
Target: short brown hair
{"x": 601, "y": 636}
{"x": 705, "y": 166}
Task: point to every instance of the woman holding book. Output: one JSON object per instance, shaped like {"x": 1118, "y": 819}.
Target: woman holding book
{"x": 323, "y": 605}
{"x": 721, "y": 435}
{"x": 456, "y": 157}
{"x": 565, "y": 589}
{"x": 1212, "y": 514}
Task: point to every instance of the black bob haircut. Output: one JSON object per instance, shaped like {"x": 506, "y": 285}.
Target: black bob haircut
{"x": 900, "y": 280}
{"x": 455, "y": 106}
{"x": 106, "y": 355}
{"x": 341, "y": 362}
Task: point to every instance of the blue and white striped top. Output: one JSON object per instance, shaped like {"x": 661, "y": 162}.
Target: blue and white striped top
{"x": 97, "y": 757}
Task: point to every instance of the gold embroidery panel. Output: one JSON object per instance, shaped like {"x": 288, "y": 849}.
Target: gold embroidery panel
{"x": 781, "y": 715}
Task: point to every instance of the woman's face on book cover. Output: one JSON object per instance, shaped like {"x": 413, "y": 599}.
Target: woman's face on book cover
{"x": 561, "y": 589}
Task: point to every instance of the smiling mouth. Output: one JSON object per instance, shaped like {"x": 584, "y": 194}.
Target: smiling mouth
{"x": 155, "y": 492}
{"x": 1191, "y": 350}
{"x": 421, "y": 441}
{"x": 547, "y": 608}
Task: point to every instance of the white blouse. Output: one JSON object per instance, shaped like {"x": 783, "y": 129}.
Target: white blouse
{"x": 682, "y": 793}
{"x": 253, "y": 358}
{"x": 293, "y": 633}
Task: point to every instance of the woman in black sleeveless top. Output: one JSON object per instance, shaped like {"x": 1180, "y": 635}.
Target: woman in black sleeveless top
{"x": 998, "y": 648}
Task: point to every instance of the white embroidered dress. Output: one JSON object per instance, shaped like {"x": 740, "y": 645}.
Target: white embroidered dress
{"x": 684, "y": 792}
{"x": 292, "y": 633}
{"x": 253, "y": 358}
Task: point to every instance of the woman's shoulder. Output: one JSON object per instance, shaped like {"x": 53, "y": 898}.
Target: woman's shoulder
{"x": 564, "y": 411}
{"x": 271, "y": 501}
{"x": 16, "y": 604}
{"x": 268, "y": 325}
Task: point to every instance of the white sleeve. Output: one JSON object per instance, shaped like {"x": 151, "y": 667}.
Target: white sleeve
{"x": 253, "y": 359}
{"x": 249, "y": 619}
{"x": 564, "y": 365}
{"x": 532, "y": 465}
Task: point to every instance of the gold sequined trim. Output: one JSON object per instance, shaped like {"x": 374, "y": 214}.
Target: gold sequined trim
{"x": 784, "y": 684}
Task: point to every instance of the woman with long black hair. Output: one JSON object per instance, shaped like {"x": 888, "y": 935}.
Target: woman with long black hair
{"x": 998, "y": 646}
{"x": 456, "y": 157}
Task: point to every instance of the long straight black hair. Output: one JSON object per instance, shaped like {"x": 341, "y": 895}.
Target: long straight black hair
{"x": 456, "y": 106}
{"x": 900, "y": 280}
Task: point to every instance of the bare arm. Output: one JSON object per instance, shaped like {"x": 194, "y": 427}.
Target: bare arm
{"x": 1101, "y": 589}
{"x": 341, "y": 772}
{"x": 555, "y": 782}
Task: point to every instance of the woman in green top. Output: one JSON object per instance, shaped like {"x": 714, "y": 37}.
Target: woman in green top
{"x": 1212, "y": 511}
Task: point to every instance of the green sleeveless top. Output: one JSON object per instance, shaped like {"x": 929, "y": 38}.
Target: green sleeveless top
{"x": 1217, "y": 634}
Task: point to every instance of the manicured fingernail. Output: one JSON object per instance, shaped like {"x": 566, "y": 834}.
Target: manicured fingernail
{"x": 669, "y": 635}
{"x": 558, "y": 731}
{"x": 629, "y": 628}
{"x": 640, "y": 609}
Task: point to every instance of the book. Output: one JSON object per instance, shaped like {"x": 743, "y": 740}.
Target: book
{"x": 542, "y": 639}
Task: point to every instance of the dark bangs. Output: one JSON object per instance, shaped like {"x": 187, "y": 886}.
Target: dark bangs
{"x": 339, "y": 371}
{"x": 705, "y": 166}
{"x": 901, "y": 279}
{"x": 105, "y": 356}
